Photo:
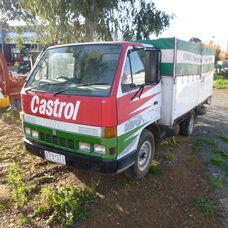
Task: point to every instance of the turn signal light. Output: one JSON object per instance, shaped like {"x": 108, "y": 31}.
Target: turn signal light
{"x": 109, "y": 132}
{"x": 21, "y": 116}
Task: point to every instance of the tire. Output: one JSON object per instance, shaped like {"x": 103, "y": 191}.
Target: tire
{"x": 187, "y": 126}
{"x": 144, "y": 156}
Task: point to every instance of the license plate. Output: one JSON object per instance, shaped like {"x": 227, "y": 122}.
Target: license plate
{"x": 57, "y": 158}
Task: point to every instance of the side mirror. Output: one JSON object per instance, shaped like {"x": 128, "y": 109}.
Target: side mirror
{"x": 152, "y": 66}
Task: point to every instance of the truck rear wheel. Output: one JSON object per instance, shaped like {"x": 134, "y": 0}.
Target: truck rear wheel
{"x": 187, "y": 126}
{"x": 144, "y": 156}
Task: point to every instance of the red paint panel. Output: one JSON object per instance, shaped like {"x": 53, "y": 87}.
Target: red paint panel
{"x": 91, "y": 111}
{"x": 126, "y": 106}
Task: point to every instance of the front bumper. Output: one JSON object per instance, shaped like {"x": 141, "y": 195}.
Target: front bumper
{"x": 83, "y": 162}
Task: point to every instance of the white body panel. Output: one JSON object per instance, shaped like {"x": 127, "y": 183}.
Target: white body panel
{"x": 183, "y": 93}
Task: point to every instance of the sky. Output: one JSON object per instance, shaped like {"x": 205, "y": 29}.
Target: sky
{"x": 204, "y": 19}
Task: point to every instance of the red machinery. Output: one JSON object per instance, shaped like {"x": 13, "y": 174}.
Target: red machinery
{"x": 10, "y": 85}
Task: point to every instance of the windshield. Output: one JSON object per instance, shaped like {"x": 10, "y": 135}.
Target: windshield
{"x": 225, "y": 63}
{"x": 84, "y": 70}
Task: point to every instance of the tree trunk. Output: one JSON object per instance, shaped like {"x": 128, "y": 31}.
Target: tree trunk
{"x": 89, "y": 30}
{"x": 89, "y": 22}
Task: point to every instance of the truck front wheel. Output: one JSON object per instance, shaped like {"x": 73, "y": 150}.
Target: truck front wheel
{"x": 187, "y": 126}
{"x": 144, "y": 156}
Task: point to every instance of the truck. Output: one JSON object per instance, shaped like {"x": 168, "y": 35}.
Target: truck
{"x": 10, "y": 85}
{"x": 102, "y": 107}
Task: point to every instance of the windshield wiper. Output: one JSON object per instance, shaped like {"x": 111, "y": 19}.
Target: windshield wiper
{"x": 49, "y": 83}
{"x": 78, "y": 85}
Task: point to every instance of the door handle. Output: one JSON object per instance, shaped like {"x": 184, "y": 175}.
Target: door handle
{"x": 156, "y": 102}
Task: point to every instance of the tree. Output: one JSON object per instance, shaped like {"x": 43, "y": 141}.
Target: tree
{"x": 196, "y": 40}
{"x": 67, "y": 21}
{"x": 217, "y": 49}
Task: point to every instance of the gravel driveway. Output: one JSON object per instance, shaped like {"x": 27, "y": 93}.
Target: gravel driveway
{"x": 211, "y": 135}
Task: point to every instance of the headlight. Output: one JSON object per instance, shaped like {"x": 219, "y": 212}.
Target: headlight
{"x": 84, "y": 146}
{"x": 27, "y": 131}
{"x": 35, "y": 134}
{"x": 100, "y": 149}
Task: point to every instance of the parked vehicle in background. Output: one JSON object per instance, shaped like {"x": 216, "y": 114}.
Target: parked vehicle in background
{"x": 102, "y": 107}
{"x": 224, "y": 70}
{"x": 11, "y": 84}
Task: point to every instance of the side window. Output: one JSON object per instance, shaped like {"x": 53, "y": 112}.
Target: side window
{"x": 42, "y": 70}
{"x": 134, "y": 71}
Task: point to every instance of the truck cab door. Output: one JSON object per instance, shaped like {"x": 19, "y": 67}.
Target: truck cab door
{"x": 138, "y": 97}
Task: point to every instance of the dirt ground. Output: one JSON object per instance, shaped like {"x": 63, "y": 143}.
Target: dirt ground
{"x": 159, "y": 201}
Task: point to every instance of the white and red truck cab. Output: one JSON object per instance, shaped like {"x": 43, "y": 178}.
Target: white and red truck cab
{"x": 102, "y": 106}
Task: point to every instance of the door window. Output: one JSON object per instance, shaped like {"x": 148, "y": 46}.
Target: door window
{"x": 134, "y": 70}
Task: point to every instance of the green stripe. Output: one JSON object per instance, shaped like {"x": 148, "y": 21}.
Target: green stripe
{"x": 208, "y": 51}
{"x": 125, "y": 139}
{"x": 167, "y": 69}
{"x": 168, "y": 43}
{"x": 108, "y": 142}
{"x": 189, "y": 46}
{"x": 162, "y": 43}
{"x": 192, "y": 69}
{"x": 194, "y": 48}
{"x": 207, "y": 67}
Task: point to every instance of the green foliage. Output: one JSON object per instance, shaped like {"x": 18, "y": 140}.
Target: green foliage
{"x": 212, "y": 142}
{"x": 221, "y": 84}
{"x": 222, "y": 152}
{"x": 195, "y": 40}
{"x": 224, "y": 138}
{"x": 155, "y": 169}
{"x": 201, "y": 141}
{"x": 19, "y": 189}
{"x": 218, "y": 161}
{"x": 207, "y": 206}
{"x": 126, "y": 182}
{"x": 170, "y": 142}
{"x": 14, "y": 151}
{"x": 218, "y": 182}
{"x": 218, "y": 77}
{"x": 66, "y": 204}
{"x": 75, "y": 21}
{"x": 196, "y": 148}
{"x": 9, "y": 115}
{"x": 23, "y": 221}
{"x": 169, "y": 156}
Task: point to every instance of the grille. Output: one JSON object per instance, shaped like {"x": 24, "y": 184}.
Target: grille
{"x": 62, "y": 142}
{"x": 59, "y": 141}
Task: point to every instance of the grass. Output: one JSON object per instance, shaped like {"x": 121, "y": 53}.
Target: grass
{"x": 65, "y": 205}
{"x": 126, "y": 182}
{"x": 207, "y": 206}
{"x": 218, "y": 182}
{"x": 170, "y": 142}
{"x": 9, "y": 115}
{"x": 201, "y": 141}
{"x": 23, "y": 220}
{"x": 218, "y": 77}
{"x": 220, "y": 82}
{"x": 224, "y": 153}
{"x": 169, "y": 156}
{"x": 14, "y": 151}
{"x": 213, "y": 143}
{"x": 196, "y": 148}
{"x": 224, "y": 138}
{"x": 155, "y": 169}
{"x": 218, "y": 161}
{"x": 19, "y": 189}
